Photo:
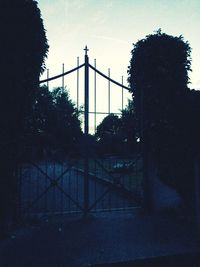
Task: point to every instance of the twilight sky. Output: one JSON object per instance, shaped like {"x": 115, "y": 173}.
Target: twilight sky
{"x": 110, "y": 27}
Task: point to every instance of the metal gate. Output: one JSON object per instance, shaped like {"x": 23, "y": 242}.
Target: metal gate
{"x": 88, "y": 182}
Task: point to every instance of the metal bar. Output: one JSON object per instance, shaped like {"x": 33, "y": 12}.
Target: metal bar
{"x": 69, "y": 197}
{"x": 36, "y": 199}
{"x": 108, "y": 91}
{"x": 62, "y": 185}
{"x": 77, "y": 81}
{"x": 20, "y": 192}
{"x": 77, "y": 186}
{"x": 102, "y": 113}
{"x": 54, "y": 186}
{"x": 37, "y": 186}
{"x": 99, "y": 198}
{"x": 122, "y": 93}
{"x": 86, "y": 131}
{"x": 106, "y": 77}
{"x": 29, "y": 189}
{"x": 63, "y": 78}
{"x": 95, "y": 97}
{"x": 60, "y": 176}
{"x": 105, "y": 170}
{"x": 47, "y": 80}
{"x": 69, "y": 190}
{"x": 46, "y": 185}
{"x": 54, "y": 179}
{"x": 95, "y": 188}
{"x": 44, "y": 173}
{"x": 60, "y": 75}
{"x": 45, "y": 191}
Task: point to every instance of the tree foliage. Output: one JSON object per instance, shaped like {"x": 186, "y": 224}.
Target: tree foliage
{"x": 158, "y": 76}
{"x": 107, "y": 134}
{"x": 116, "y": 135}
{"x": 67, "y": 126}
{"x": 54, "y": 125}
{"x": 23, "y": 49}
{"x": 128, "y": 129}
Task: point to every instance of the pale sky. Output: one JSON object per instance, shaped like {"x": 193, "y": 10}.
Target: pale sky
{"x": 110, "y": 27}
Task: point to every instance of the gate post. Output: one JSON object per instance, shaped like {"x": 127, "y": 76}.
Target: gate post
{"x": 197, "y": 190}
{"x": 146, "y": 156}
{"x": 86, "y": 130}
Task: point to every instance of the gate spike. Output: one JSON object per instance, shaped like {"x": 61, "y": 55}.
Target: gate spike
{"x": 86, "y": 50}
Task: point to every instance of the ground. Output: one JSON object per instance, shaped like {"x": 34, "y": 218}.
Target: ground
{"x": 99, "y": 239}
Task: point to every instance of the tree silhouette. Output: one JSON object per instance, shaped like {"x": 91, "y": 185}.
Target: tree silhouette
{"x": 116, "y": 135}
{"x": 67, "y": 128}
{"x": 192, "y": 117}
{"x": 23, "y": 48}
{"x": 128, "y": 128}
{"x": 54, "y": 125}
{"x": 108, "y": 136}
{"x": 158, "y": 76}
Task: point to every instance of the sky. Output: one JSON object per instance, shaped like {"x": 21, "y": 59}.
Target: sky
{"x": 110, "y": 28}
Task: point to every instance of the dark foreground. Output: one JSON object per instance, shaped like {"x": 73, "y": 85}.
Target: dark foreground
{"x": 183, "y": 260}
{"x": 109, "y": 239}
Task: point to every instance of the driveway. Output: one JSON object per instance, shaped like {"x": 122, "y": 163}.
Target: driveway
{"x": 99, "y": 239}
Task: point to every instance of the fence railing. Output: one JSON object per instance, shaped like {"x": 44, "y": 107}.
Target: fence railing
{"x": 86, "y": 103}
{"x": 88, "y": 182}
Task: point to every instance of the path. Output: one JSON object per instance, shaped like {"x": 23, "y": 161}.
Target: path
{"x": 110, "y": 238}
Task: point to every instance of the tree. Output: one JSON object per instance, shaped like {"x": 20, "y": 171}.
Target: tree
{"x": 54, "y": 125}
{"x": 23, "y": 48}
{"x": 128, "y": 129}
{"x": 116, "y": 135}
{"x": 67, "y": 128}
{"x": 158, "y": 76}
{"x": 108, "y": 136}
{"x": 39, "y": 125}
{"x": 193, "y": 126}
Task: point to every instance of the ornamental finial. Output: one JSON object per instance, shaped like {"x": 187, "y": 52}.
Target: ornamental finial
{"x": 86, "y": 50}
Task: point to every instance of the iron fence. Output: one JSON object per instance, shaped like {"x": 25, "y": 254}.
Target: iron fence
{"x": 86, "y": 182}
